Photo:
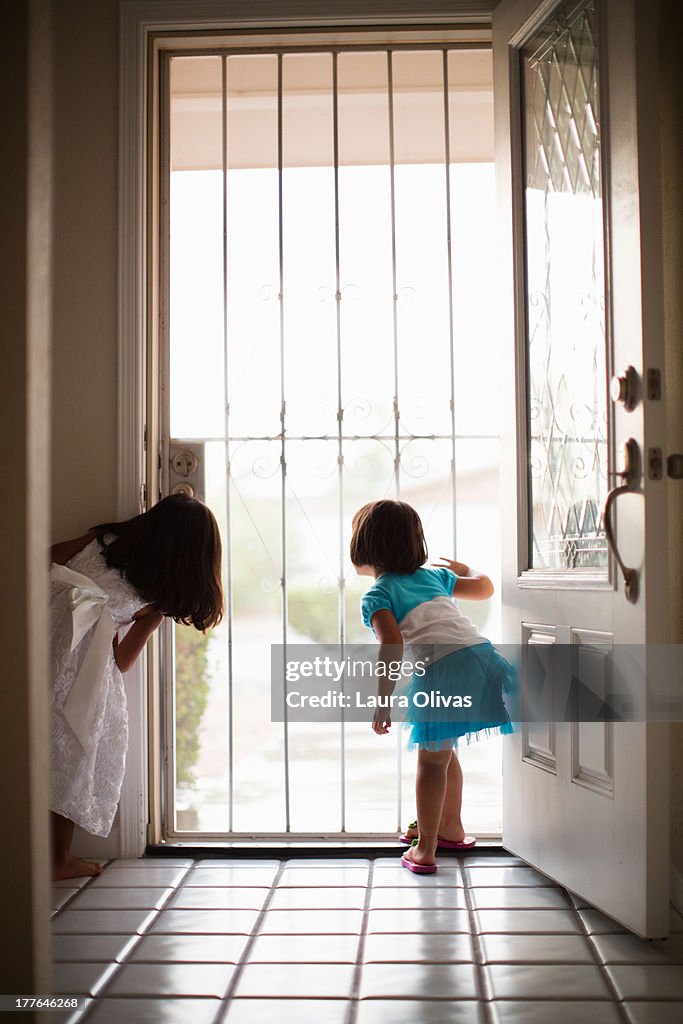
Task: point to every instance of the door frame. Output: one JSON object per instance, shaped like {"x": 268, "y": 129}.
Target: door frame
{"x": 143, "y": 24}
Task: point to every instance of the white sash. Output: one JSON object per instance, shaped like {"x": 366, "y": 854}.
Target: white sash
{"x": 87, "y": 603}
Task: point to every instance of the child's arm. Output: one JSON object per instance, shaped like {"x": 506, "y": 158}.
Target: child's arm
{"x": 64, "y": 551}
{"x": 127, "y": 651}
{"x": 390, "y": 649}
{"x": 470, "y": 584}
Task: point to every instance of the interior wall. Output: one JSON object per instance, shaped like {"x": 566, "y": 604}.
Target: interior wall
{"x": 25, "y": 211}
{"x": 84, "y": 420}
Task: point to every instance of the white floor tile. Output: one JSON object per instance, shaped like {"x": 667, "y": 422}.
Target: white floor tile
{"x": 540, "y": 981}
{"x": 156, "y": 980}
{"x": 80, "y": 978}
{"x": 190, "y": 948}
{"x": 539, "y": 1012}
{"x": 496, "y": 876}
{"x": 654, "y": 1013}
{"x": 102, "y": 922}
{"x": 311, "y": 922}
{"x": 240, "y": 877}
{"x": 155, "y": 877}
{"x": 327, "y": 862}
{"x": 222, "y": 922}
{"x": 419, "y": 948}
{"x": 531, "y": 921}
{"x": 519, "y": 897}
{"x": 286, "y": 1011}
{"x": 492, "y": 861}
{"x": 120, "y": 898}
{"x": 339, "y": 898}
{"x": 324, "y": 876}
{"x": 403, "y": 1011}
{"x": 282, "y": 981}
{"x": 153, "y": 862}
{"x": 418, "y": 981}
{"x": 60, "y": 896}
{"x": 421, "y": 920}
{"x": 223, "y": 898}
{"x": 154, "y": 1011}
{"x": 247, "y": 863}
{"x": 653, "y": 981}
{"x": 415, "y": 896}
{"x": 538, "y": 949}
{"x": 82, "y": 948}
{"x": 630, "y": 949}
{"x": 306, "y": 949}
{"x": 597, "y": 923}
{"x": 398, "y": 876}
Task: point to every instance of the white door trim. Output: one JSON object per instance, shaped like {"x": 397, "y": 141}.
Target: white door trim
{"x": 140, "y": 21}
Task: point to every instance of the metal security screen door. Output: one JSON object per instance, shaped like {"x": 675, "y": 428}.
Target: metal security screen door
{"x": 327, "y": 232}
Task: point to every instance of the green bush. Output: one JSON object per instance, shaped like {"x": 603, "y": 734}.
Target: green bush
{"x": 191, "y": 694}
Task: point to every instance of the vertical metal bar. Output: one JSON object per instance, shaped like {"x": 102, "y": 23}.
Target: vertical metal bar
{"x": 283, "y": 452}
{"x": 226, "y": 392}
{"x": 340, "y": 416}
{"x": 166, "y": 642}
{"x": 397, "y": 414}
{"x": 447, "y": 157}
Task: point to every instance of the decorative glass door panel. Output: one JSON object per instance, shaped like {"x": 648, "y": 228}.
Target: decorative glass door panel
{"x": 565, "y": 286}
{"x": 329, "y": 227}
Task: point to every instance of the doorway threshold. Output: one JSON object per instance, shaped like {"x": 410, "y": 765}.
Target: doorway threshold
{"x": 320, "y": 849}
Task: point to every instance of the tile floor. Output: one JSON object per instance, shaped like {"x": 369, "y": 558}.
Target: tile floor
{"x": 487, "y": 940}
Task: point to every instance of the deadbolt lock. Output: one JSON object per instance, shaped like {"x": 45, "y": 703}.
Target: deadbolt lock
{"x": 186, "y": 468}
{"x": 185, "y": 463}
{"x": 624, "y": 388}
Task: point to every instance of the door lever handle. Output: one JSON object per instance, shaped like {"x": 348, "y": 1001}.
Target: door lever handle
{"x": 630, "y": 475}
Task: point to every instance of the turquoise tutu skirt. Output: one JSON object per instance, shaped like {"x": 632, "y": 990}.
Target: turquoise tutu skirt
{"x": 459, "y": 695}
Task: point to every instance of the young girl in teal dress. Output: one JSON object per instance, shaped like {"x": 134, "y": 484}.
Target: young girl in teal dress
{"x": 412, "y": 605}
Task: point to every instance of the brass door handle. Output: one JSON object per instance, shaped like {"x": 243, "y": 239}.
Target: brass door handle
{"x": 630, "y": 475}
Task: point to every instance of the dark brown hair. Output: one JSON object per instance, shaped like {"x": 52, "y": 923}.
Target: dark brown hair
{"x": 389, "y": 536}
{"x": 171, "y": 554}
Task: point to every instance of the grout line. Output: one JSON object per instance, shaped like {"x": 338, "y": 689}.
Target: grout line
{"x": 353, "y": 1000}
{"x": 137, "y": 937}
{"x": 483, "y": 1000}
{"x": 596, "y": 958}
{"x": 225, "y": 1002}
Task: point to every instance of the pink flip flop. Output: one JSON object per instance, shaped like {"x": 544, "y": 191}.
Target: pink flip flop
{"x": 465, "y": 844}
{"x": 419, "y": 869}
{"x": 445, "y": 844}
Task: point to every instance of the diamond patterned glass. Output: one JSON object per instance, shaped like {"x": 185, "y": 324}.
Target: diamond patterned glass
{"x": 565, "y": 290}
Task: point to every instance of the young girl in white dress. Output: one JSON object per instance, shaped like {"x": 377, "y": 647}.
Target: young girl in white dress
{"x": 166, "y": 561}
{"x": 413, "y": 605}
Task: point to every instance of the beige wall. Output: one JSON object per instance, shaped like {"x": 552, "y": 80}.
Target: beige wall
{"x": 24, "y": 427}
{"x": 84, "y": 425}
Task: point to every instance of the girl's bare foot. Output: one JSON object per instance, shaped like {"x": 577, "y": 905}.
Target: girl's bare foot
{"x": 74, "y": 867}
{"x": 411, "y": 832}
{"x": 419, "y": 855}
{"x": 452, "y": 834}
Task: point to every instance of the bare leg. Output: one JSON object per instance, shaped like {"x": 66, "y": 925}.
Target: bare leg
{"x": 450, "y": 826}
{"x": 64, "y": 865}
{"x": 430, "y": 790}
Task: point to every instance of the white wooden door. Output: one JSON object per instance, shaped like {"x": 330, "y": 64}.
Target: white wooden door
{"x": 580, "y": 265}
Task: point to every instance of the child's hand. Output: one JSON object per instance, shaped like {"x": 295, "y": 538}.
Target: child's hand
{"x": 459, "y": 568}
{"x": 381, "y": 721}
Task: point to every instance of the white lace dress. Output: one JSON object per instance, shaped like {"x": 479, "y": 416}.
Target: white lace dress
{"x": 85, "y": 784}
